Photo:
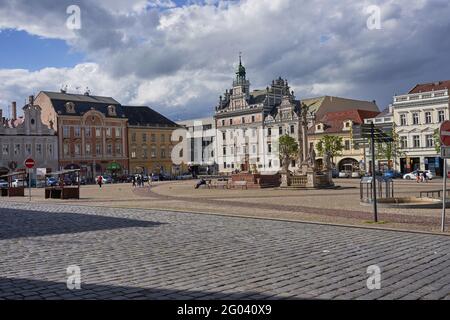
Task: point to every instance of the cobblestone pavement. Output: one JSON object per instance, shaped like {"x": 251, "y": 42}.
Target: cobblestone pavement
{"x": 142, "y": 254}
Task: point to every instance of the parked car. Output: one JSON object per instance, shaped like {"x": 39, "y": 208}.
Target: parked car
{"x": 52, "y": 182}
{"x": 3, "y": 183}
{"x": 186, "y": 176}
{"x": 413, "y": 175}
{"x": 335, "y": 173}
{"x": 390, "y": 174}
{"x": 18, "y": 183}
{"x": 344, "y": 174}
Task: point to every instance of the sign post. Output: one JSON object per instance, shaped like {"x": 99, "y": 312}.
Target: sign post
{"x": 29, "y": 163}
{"x": 444, "y": 134}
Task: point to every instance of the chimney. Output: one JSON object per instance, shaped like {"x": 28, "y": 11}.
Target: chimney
{"x": 31, "y": 100}
{"x": 14, "y": 110}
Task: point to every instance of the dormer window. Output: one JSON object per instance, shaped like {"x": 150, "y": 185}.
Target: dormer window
{"x": 70, "y": 107}
{"x": 319, "y": 127}
{"x": 348, "y": 125}
{"x": 112, "y": 111}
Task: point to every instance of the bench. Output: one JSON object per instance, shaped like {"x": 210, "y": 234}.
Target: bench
{"x": 220, "y": 184}
{"x": 242, "y": 184}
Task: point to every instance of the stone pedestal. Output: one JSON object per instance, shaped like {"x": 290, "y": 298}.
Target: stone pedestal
{"x": 312, "y": 181}
{"x": 286, "y": 179}
{"x": 329, "y": 177}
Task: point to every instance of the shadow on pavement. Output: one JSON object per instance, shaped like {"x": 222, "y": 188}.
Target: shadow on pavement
{"x": 15, "y": 223}
{"x": 26, "y": 289}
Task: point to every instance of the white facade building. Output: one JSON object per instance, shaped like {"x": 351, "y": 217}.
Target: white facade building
{"x": 201, "y": 145}
{"x": 26, "y": 137}
{"x": 417, "y": 116}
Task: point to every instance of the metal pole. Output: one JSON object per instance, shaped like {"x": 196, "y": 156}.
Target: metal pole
{"x": 444, "y": 196}
{"x": 29, "y": 182}
{"x": 374, "y": 181}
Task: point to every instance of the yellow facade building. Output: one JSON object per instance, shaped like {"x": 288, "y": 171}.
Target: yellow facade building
{"x": 149, "y": 141}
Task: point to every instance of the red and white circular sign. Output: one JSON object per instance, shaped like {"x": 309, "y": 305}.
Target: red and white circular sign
{"x": 30, "y": 163}
{"x": 445, "y": 134}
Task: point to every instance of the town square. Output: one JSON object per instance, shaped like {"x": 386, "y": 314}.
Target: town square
{"x": 149, "y": 152}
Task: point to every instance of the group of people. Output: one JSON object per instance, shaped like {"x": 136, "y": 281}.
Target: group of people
{"x": 421, "y": 177}
{"x": 139, "y": 181}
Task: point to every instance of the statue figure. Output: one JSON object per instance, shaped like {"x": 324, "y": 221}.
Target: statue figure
{"x": 312, "y": 158}
{"x": 327, "y": 161}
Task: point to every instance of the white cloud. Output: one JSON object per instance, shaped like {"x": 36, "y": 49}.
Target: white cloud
{"x": 180, "y": 59}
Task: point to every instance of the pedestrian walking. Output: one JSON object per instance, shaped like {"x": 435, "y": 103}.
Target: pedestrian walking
{"x": 133, "y": 180}
{"x": 139, "y": 181}
{"x": 100, "y": 181}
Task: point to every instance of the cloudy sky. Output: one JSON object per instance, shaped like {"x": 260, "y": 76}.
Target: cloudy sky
{"x": 179, "y": 56}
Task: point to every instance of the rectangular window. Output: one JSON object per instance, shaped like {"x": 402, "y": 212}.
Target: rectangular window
{"x": 17, "y": 149}
{"x": 163, "y": 153}
{"x": 430, "y": 141}
{"x": 269, "y": 132}
{"x": 144, "y": 137}
{"x": 441, "y": 116}
{"x": 118, "y": 132}
{"x": 428, "y": 118}
{"x": 109, "y": 149}
{"x": 144, "y": 153}
{"x": 133, "y": 153}
{"x": 66, "y": 149}
{"x": 50, "y": 150}
{"x": 347, "y": 145}
{"x": 292, "y": 129}
{"x": 133, "y": 137}
{"x": 231, "y": 122}
{"x": 98, "y": 132}
{"x": 415, "y": 118}
{"x": 118, "y": 149}
{"x": 163, "y": 138}
{"x": 87, "y": 132}
{"x": 5, "y": 150}
{"x": 416, "y": 141}
{"x": 108, "y": 132}
{"x": 153, "y": 152}
{"x": 98, "y": 149}
{"x": 77, "y": 149}
{"x": 253, "y": 118}
{"x": 153, "y": 137}
{"x": 88, "y": 149}
{"x": 28, "y": 149}
{"x": 66, "y": 132}
{"x": 254, "y": 149}
{"x": 269, "y": 148}
{"x": 224, "y": 136}
{"x": 224, "y": 151}
{"x": 77, "y": 132}
{"x": 403, "y": 120}
{"x": 280, "y": 131}
{"x": 243, "y": 120}
{"x": 403, "y": 142}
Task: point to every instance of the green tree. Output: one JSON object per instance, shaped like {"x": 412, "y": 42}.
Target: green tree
{"x": 288, "y": 149}
{"x": 334, "y": 145}
{"x": 389, "y": 150}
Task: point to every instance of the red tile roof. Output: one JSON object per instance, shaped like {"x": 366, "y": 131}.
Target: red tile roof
{"x": 334, "y": 121}
{"x": 427, "y": 87}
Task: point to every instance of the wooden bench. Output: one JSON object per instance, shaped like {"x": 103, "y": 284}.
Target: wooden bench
{"x": 220, "y": 184}
{"x": 241, "y": 184}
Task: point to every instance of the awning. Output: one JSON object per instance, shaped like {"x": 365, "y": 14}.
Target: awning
{"x": 114, "y": 166}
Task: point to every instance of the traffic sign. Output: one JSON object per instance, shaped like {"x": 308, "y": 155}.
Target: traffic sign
{"x": 445, "y": 152}
{"x": 30, "y": 163}
{"x": 445, "y": 133}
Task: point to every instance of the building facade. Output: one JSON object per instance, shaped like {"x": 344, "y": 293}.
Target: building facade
{"x": 92, "y": 132}
{"x": 27, "y": 137}
{"x": 249, "y": 123}
{"x": 340, "y": 124}
{"x": 150, "y": 141}
{"x": 417, "y": 116}
{"x": 201, "y": 143}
